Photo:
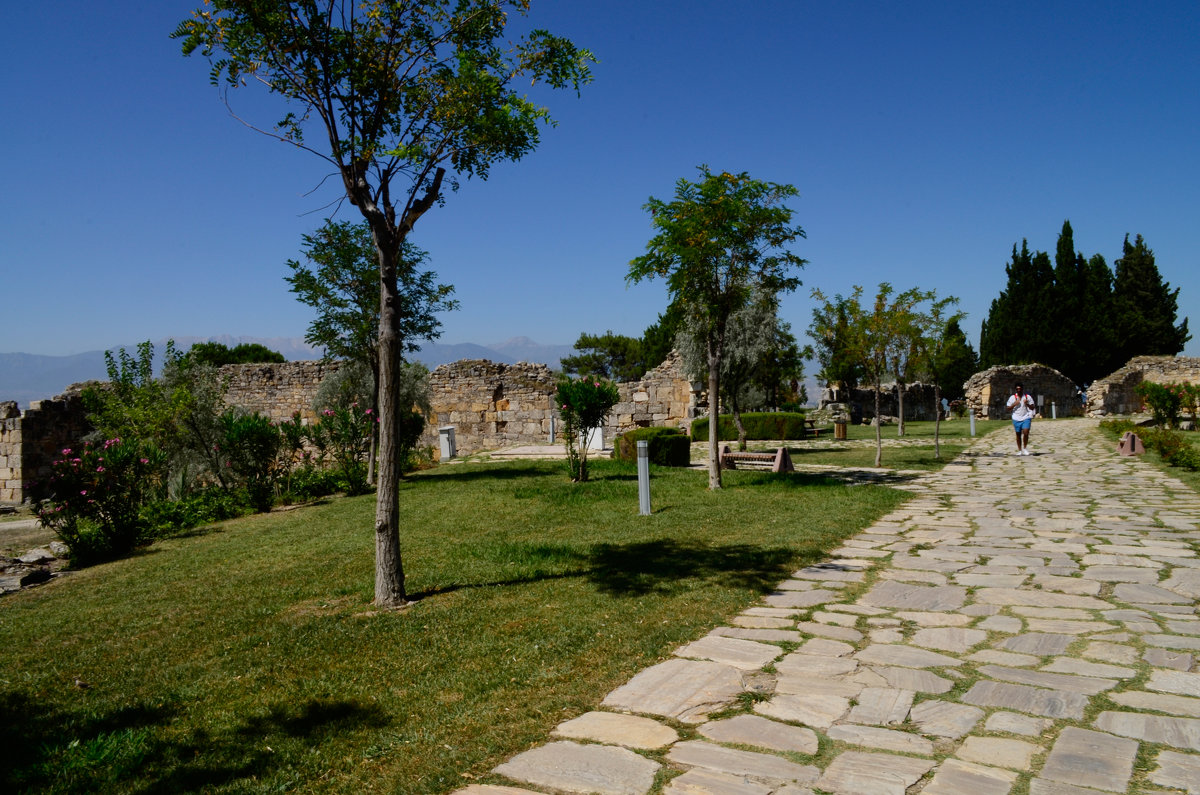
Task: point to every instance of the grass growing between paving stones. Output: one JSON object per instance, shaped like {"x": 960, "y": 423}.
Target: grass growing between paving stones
{"x": 247, "y": 657}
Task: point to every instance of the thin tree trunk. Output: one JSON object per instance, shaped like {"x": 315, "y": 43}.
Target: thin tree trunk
{"x": 389, "y": 567}
{"x": 878, "y": 426}
{"x": 900, "y": 407}
{"x": 714, "y": 384}
{"x": 937, "y": 421}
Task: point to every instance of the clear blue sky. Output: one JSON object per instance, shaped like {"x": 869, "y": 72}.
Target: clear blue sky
{"x": 925, "y": 140}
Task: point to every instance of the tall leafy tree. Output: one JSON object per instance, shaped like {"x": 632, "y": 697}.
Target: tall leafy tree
{"x": 1145, "y": 306}
{"x": 835, "y": 351}
{"x": 1099, "y": 354}
{"x": 341, "y": 282}
{"x": 751, "y": 334}
{"x": 720, "y": 236}
{"x": 611, "y": 356}
{"x": 407, "y": 96}
{"x": 940, "y": 348}
{"x": 903, "y": 345}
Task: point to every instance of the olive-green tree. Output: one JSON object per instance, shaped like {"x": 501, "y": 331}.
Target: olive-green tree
{"x": 721, "y": 236}
{"x": 400, "y": 98}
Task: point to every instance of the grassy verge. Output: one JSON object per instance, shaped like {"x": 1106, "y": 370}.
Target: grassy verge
{"x": 246, "y": 657}
{"x": 1191, "y": 478}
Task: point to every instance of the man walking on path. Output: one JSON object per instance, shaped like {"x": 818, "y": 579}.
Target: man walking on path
{"x": 1022, "y": 417}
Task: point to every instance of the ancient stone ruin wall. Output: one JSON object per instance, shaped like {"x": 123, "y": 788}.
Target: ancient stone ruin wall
{"x": 497, "y": 405}
{"x": 988, "y": 391}
{"x": 276, "y": 390}
{"x": 919, "y": 403}
{"x": 30, "y": 442}
{"x": 490, "y": 405}
{"x": 1116, "y": 394}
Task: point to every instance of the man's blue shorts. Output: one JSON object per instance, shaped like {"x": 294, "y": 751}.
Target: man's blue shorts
{"x": 1022, "y": 425}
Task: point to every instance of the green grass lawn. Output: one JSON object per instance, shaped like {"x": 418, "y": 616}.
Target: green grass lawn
{"x": 246, "y": 657}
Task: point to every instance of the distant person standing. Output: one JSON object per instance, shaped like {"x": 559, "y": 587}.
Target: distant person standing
{"x": 1022, "y": 406}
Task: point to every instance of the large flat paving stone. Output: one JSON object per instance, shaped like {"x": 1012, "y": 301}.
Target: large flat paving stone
{"x": 630, "y": 731}
{"x": 904, "y": 656}
{"x": 915, "y": 679}
{"x": 819, "y": 710}
{"x": 746, "y": 655}
{"x": 763, "y": 767}
{"x": 812, "y": 598}
{"x": 686, "y": 690}
{"x": 957, "y": 777}
{"x": 1039, "y": 644}
{"x": 1090, "y": 759}
{"x": 998, "y": 752}
{"x": 699, "y": 781}
{"x": 881, "y": 706}
{"x": 1179, "y": 682}
{"x": 1175, "y": 732}
{"x": 1089, "y": 685}
{"x": 1175, "y": 705}
{"x": 761, "y": 733}
{"x": 1178, "y": 771}
{"x": 492, "y": 789}
{"x": 1021, "y": 596}
{"x": 882, "y": 739}
{"x": 1023, "y": 698}
{"x": 957, "y": 640}
{"x": 858, "y": 773}
{"x": 915, "y": 597}
{"x": 585, "y": 769}
{"x": 1140, "y": 593}
{"x": 944, "y": 718}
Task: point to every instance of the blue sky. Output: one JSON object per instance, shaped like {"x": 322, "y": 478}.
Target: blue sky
{"x": 925, "y": 140}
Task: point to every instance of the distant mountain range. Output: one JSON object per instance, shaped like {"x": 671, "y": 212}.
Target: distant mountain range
{"x": 25, "y": 377}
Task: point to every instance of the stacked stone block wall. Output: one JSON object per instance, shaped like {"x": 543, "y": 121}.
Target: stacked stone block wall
{"x": 988, "y": 391}
{"x": 499, "y": 405}
{"x": 1117, "y": 394}
{"x": 277, "y": 391}
{"x": 30, "y": 442}
{"x": 490, "y": 405}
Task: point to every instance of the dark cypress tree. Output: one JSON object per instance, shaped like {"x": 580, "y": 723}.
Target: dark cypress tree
{"x": 1144, "y": 306}
{"x": 1097, "y": 334}
{"x": 1067, "y": 338}
{"x": 1018, "y": 322}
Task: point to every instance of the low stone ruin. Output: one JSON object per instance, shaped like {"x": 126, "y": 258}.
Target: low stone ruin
{"x": 1055, "y": 394}
{"x": 1117, "y": 394}
{"x": 33, "y": 568}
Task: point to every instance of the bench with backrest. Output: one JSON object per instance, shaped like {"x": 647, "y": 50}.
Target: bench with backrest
{"x": 778, "y": 461}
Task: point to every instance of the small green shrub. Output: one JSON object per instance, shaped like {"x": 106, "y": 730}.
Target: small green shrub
{"x": 668, "y": 447}
{"x": 759, "y": 425}
{"x": 166, "y": 517}
{"x": 1164, "y": 401}
{"x": 1118, "y": 428}
{"x": 1186, "y": 457}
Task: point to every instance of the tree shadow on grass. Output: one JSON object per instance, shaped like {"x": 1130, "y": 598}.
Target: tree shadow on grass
{"x": 662, "y": 566}
{"x": 135, "y": 749}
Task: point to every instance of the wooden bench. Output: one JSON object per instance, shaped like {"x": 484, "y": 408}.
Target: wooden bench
{"x": 778, "y": 461}
{"x": 812, "y": 426}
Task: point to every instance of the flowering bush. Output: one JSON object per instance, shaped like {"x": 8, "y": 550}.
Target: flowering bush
{"x": 583, "y": 405}
{"x": 95, "y": 495}
{"x": 1163, "y": 400}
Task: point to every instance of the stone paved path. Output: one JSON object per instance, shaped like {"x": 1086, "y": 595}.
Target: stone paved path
{"x": 1023, "y": 625}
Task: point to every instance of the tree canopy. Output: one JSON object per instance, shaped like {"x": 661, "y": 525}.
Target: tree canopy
{"x": 721, "y": 237}
{"x": 216, "y": 354}
{"x": 403, "y": 98}
{"x": 1076, "y": 316}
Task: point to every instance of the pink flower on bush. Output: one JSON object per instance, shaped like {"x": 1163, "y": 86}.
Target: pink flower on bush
{"x": 66, "y": 451}
{"x": 83, "y": 493}
{"x": 99, "y": 469}
{"x": 145, "y": 460}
